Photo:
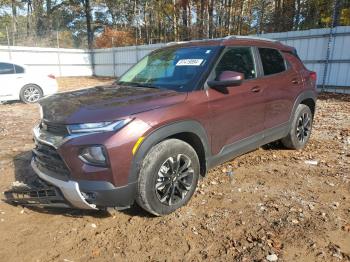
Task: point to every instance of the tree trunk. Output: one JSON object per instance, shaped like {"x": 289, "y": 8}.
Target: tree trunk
{"x": 261, "y": 18}
{"x": 145, "y": 22}
{"x": 337, "y": 8}
{"x": 297, "y": 15}
{"x": 38, "y": 17}
{"x": 201, "y": 19}
{"x": 211, "y": 19}
{"x": 175, "y": 28}
{"x": 189, "y": 21}
{"x": 229, "y": 17}
{"x": 240, "y": 19}
{"x": 14, "y": 21}
{"x": 90, "y": 34}
{"x": 184, "y": 22}
{"x": 14, "y": 17}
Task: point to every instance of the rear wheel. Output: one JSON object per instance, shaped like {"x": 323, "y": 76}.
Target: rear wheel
{"x": 31, "y": 94}
{"x": 300, "y": 131}
{"x": 168, "y": 177}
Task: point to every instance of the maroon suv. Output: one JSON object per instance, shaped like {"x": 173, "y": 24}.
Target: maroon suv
{"x": 180, "y": 111}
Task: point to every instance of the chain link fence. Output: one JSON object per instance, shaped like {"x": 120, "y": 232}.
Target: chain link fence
{"x": 22, "y": 35}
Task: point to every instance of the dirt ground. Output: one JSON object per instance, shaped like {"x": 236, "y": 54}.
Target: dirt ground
{"x": 276, "y": 205}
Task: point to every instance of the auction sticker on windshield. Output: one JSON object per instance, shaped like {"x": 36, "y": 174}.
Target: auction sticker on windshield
{"x": 189, "y": 62}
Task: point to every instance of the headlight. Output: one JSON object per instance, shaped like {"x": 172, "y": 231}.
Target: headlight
{"x": 97, "y": 127}
{"x": 94, "y": 155}
{"x": 41, "y": 112}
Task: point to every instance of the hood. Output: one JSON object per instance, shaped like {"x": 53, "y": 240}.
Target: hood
{"x": 105, "y": 103}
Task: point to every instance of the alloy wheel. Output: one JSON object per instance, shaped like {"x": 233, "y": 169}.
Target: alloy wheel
{"x": 303, "y": 127}
{"x": 174, "y": 180}
{"x": 31, "y": 94}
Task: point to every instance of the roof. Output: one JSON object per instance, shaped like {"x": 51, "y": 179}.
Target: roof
{"x": 237, "y": 40}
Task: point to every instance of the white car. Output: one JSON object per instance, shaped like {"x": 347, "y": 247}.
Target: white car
{"x": 17, "y": 82}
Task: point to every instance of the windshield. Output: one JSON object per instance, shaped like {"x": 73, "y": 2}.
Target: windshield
{"x": 171, "y": 68}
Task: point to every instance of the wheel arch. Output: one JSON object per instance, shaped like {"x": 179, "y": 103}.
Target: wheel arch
{"x": 194, "y": 141}
{"x": 310, "y": 103}
{"x": 32, "y": 84}
{"x": 308, "y": 98}
{"x": 189, "y": 131}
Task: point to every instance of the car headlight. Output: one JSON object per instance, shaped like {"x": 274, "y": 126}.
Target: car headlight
{"x": 97, "y": 127}
{"x": 94, "y": 155}
{"x": 41, "y": 112}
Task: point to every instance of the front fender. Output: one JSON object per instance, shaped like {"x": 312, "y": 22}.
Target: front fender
{"x": 160, "y": 134}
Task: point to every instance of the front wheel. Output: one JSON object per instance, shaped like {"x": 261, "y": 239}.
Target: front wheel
{"x": 31, "y": 94}
{"x": 300, "y": 131}
{"x": 168, "y": 177}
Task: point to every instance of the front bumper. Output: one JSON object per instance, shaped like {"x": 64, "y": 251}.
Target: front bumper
{"x": 83, "y": 194}
{"x": 70, "y": 189}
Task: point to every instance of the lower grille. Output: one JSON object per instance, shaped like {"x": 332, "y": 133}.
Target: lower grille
{"x": 38, "y": 193}
{"x": 48, "y": 158}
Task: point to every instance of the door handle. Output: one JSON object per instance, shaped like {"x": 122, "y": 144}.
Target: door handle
{"x": 295, "y": 81}
{"x": 255, "y": 89}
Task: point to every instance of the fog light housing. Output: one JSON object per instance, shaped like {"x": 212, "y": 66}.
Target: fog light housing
{"x": 94, "y": 155}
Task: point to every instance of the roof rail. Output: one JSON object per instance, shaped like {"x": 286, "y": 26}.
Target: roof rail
{"x": 225, "y": 38}
{"x": 251, "y": 37}
{"x": 176, "y": 43}
{"x": 195, "y": 41}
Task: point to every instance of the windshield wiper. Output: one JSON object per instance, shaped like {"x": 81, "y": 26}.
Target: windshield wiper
{"x": 138, "y": 84}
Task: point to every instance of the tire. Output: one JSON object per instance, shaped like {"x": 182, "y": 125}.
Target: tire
{"x": 300, "y": 131}
{"x": 161, "y": 189}
{"x": 31, "y": 94}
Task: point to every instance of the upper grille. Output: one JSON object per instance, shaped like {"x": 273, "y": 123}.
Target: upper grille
{"x": 48, "y": 158}
{"x": 54, "y": 128}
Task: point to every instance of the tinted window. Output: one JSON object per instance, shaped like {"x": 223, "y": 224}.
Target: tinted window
{"x": 19, "y": 69}
{"x": 239, "y": 59}
{"x": 272, "y": 61}
{"x": 6, "y": 68}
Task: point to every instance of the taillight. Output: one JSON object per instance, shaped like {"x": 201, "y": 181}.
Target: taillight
{"x": 313, "y": 75}
{"x": 51, "y": 76}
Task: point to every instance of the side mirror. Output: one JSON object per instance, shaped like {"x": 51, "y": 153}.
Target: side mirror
{"x": 226, "y": 79}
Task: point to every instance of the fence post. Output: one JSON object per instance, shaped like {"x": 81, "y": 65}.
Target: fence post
{"x": 58, "y": 53}
{"x": 113, "y": 53}
{"x": 329, "y": 47}
{"x": 137, "y": 53}
{"x": 8, "y": 43}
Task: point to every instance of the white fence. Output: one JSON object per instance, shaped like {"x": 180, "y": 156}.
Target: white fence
{"x": 313, "y": 47}
{"x": 57, "y": 61}
{"x": 115, "y": 61}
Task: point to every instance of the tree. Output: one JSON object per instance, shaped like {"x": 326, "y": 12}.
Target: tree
{"x": 152, "y": 21}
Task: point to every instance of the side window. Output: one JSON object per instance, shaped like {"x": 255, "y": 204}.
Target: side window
{"x": 19, "y": 69}
{"x": 272, "y": 61}
{"x": 6, "y": 68}
{"x": 239, "y": 59}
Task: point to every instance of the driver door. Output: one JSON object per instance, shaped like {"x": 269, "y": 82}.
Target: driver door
{"x": 237, "y": 113}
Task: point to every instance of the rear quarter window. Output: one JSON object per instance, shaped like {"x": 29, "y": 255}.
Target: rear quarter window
{"x": 272, "y": 61}
{"x": 19, "y": 69}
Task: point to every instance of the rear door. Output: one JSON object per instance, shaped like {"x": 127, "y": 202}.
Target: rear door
{"x": 7, "y": 80}
{"x": 238, "y": 113}
{"x": 280, "y": 84}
